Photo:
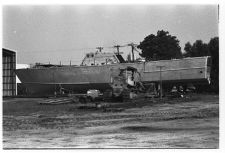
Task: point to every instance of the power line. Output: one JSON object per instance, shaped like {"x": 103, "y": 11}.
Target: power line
{"x": 74, "y": 49}
{"x": 57, "y": 50}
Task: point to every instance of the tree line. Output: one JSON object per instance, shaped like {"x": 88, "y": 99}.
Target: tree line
{"x": 164, "y": 46}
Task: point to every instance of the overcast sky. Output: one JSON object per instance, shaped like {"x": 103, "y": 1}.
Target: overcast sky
{"x": 64, "y": 33}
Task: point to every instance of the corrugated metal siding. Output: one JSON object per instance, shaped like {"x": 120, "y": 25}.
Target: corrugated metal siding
{"x": 9, "y": 76}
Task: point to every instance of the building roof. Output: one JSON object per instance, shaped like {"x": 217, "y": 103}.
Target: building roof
{"x": 7, "y": 52}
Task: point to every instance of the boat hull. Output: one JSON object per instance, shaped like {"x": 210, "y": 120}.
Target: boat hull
{"x": 50, "y": 89}
{"x": 79, "y": 79}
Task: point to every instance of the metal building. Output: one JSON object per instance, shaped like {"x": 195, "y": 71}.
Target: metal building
{"x": 9, "y": 75}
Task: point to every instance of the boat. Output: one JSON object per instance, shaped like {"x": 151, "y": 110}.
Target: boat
{"x": 102, "y": 71}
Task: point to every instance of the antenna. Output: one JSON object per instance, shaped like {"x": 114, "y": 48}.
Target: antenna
{"x": 99, "y": 49}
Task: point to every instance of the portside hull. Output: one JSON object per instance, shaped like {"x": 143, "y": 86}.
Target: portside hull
{"x": 50, "y": 89}
{"x": 81, "y": 78}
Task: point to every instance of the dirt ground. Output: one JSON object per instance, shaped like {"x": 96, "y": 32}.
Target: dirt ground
{"x": 191, "y": 122}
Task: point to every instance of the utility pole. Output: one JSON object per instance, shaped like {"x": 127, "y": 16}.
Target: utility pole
{"x": 99, "y": 48}
{"x": 160, "y": 68}
{"x": 132, "y": 50}
{"x": 117, "y": 48}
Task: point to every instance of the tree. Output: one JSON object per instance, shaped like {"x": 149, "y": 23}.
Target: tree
{"x": 203, "y": 49}
{"x": 188, "y": 49}
{"x": 160, "y": 47}
{"x": 196, "y": 50}
{"x": 214, "y": 51}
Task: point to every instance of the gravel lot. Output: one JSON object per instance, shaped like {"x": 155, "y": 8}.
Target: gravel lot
{"x": 191, "y": 122}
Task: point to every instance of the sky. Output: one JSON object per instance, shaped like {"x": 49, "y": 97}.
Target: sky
{"x": 54, "y": 33}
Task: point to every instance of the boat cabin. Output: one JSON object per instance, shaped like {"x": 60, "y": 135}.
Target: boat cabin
{"x": 100, "y": 58}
